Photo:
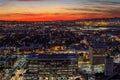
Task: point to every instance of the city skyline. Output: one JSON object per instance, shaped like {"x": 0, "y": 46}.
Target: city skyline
{"x": 48, "y": 10}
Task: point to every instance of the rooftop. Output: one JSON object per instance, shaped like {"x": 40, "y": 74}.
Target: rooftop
{"x": 52, "y": 56}
{"x": 98, "y": 45}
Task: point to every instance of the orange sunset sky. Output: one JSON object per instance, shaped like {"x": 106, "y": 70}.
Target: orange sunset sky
{"x": 48, "y": 10}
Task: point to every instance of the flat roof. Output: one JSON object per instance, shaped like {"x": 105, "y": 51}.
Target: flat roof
{"x": 52, "y": 56}
{"x": 98, "y": 45}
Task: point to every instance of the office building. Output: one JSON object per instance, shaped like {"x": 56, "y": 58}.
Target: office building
{"x": 51, "y": 65}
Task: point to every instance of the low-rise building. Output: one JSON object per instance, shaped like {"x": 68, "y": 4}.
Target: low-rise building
{"x": 51, "y": 65}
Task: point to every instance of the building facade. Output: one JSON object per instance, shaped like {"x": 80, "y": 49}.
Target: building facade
{"x": 51, "y": 65}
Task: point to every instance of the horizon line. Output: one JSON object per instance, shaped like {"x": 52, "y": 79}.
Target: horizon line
{"x": 57, "y": 20}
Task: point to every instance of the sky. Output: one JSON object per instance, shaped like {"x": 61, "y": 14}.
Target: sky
{"x": 48, "y": 10}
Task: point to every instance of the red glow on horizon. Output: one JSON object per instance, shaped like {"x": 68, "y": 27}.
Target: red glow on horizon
{"x": 49, "y": 17}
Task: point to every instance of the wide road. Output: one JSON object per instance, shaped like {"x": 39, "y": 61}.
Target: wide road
{"x": 18, "y": 65}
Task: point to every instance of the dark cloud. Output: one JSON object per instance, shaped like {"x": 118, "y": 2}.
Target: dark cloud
{"x": 86, "y": 9}
{"x": 108, "y": 3}
{"x": 105, "y": 2}
{"x": 97, "y": 10}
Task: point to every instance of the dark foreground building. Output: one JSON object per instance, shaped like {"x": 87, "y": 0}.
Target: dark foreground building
{"x": 51, "y": 65}
{"x": 6, "y": 62}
